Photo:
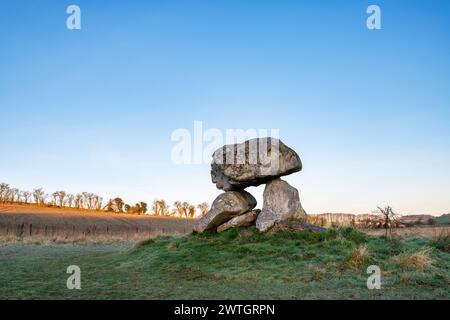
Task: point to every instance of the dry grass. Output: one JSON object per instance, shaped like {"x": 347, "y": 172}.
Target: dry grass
{"x": 358, "y": 257}
{"x": 79, "y": 240}
{"x": 416, "y": 260}
{"x": 419, "y": 231}
{"x": 31, "y": 224}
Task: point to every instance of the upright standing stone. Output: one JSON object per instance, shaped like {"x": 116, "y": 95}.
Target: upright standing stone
{"x": 281, "y": 203}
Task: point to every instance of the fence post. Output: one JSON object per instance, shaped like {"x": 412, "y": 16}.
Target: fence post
{"x": 31, "y": 229}
{"x": 20, "y": 230}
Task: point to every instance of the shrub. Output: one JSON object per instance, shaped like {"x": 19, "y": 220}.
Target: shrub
{"x": 329, "y": 234}
{"x": 416, "y": 260}
{"x": 358, "y": 257}
{"x": 353, "y": 235}
{"x": 442, "y": 242}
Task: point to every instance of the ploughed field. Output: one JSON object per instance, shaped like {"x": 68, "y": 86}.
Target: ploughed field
{"x": 39, "y": 224}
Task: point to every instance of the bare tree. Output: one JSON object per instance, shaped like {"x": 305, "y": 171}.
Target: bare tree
{"x": 84, "y": 201}
{"x": 115, "y": 205}
{"x": 203, "y": 207}
{"x": 26, "y": 196}
{"x": 185, "y": 205}
{"x": 143, "y": 207}
{"x": 389, "y": 220}
{"x": 191, "y": 211}
{"x": 4, "y": 190}
{"x": 70, "y": 200}
{"x": 90, "y": 200}
{"x": 183, "y": 209}
{"x": 138, "y": 208}
{"x": 155, "y": 207}
{"x": 55, "y": 197}
{"x": 62, "y": 197}
{"x": 14, "y": 195}
{"x": 119, "y": 204}
{"x": 39, "y": 196}
{"x": 178, "y": 208}
{"x": 97, "y": 202}
{"x": 160, "y": 208}
{"x": 78, "y": 201}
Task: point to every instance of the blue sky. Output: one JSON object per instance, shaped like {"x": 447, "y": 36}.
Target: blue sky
{"x": 93, "y": 109}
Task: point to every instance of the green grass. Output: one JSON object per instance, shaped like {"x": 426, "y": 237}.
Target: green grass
{"x": 230, "y": 265}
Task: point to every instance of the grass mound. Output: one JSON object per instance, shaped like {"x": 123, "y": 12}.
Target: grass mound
{"x": 240, "y": 263}
{"x": 291, "y": 259}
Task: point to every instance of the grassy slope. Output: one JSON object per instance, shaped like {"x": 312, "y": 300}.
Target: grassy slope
{"x": 229, "y": 265}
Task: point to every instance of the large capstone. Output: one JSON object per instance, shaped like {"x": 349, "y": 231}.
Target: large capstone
{"x": 281, "y": 203}
{"x": 226, "y": 206}
{"x": 251, "y": 163}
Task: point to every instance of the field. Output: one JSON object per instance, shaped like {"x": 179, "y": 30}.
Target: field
{"x": 420, "y": 231}
{"x": 39, "y": 224}
{"x": 237, "y": 264}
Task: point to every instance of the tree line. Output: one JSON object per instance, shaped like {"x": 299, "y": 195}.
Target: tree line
{"x": 92, "y": 201}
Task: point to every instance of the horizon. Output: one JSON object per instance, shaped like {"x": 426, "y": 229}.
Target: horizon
{"x": 95, "y": 109}
{"x": 170, "y": 206}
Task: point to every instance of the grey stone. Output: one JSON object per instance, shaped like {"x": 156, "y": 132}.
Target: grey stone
{"x": 281, "y": 203}
{"x": 247, "y": 219}
{"x": 296, "y": 226}
{"x": 225, "y": 207}
{"x": 251, "y": 163}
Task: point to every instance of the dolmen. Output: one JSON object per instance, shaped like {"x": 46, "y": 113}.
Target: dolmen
{"x": 252, "y": 163}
